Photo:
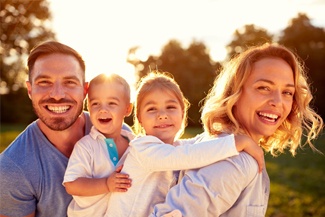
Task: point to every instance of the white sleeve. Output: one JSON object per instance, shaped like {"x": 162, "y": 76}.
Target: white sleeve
{"x": 79, "y": 163}
{"x": 217, "y": 187}
{"x": 192, "y": 140}
{"x": 154, "y": 155}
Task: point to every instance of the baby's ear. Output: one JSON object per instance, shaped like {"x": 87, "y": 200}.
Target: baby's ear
{"x": 129, "y": 110}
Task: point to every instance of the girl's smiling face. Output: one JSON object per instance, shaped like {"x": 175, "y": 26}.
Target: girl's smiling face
{"x": 266, "y": 99}
{"x": 161, "y": 115}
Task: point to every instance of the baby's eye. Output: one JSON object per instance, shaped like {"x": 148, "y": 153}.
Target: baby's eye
{"x": 94, "y": 103}
{"x": 150, "y": 109}
{"x": 112, "y": 103}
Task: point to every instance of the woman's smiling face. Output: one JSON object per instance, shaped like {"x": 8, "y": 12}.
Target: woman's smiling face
{"x": 266, "y": 99}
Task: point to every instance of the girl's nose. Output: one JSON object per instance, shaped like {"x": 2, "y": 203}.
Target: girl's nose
{"x": 162, "y": 115}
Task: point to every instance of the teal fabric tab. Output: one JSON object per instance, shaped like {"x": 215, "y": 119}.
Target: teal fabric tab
{"x": 112, "y": 150}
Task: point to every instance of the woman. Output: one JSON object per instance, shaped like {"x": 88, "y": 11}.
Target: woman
{"x": 263, "y": 93}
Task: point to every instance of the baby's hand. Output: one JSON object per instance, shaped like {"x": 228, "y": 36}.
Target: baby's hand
{"x": 118, "y": 182}
{"x": 245, "y": 143}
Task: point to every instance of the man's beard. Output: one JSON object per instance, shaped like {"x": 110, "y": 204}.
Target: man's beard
{"x": 60, "y": 123}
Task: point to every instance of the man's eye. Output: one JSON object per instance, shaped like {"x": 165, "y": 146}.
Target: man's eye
{"x": 71, "y": 82}
{"x": 43, "y": 82}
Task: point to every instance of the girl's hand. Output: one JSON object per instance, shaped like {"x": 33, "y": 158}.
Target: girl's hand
{"x": 245, "y": 143}
{"x": 118, "y": 182}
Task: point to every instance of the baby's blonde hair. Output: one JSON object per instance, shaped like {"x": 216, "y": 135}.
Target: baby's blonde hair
{"x": 164, "y": 82}
{"x": 217, "y": 114}
{"x": 112, "y": 78}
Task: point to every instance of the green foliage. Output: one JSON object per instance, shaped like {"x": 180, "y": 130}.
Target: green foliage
{"x": 297, "y": 183}
{"x": 8, "y": 132}
{"x": 16, "y": 107}
{"x": 308, "y": 42}
{"x": 23, "y": 24}
{"x": 249, "y": 35}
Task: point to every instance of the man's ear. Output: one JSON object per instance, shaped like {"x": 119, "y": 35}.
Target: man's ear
{"x": 129, "y": 110}
{"x": 86, "y": 86}
{"x": 29, "y": 89}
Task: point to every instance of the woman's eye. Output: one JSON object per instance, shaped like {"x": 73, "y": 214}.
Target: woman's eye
{"x": 263, "y": 88}
{"x": 289, "y": 93}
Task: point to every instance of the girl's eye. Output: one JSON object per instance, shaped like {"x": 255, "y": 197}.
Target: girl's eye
{"x": 171, "y": 107}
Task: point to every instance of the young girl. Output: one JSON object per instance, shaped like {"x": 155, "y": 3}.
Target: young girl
{"x": 160, "y": 114}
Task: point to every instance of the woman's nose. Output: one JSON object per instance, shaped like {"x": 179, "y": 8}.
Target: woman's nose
{"x": 276, "y": 98}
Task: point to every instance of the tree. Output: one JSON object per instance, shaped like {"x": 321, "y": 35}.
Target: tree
{"x": 248, "y": 35}
{"x": 192, "y": 68}
{"x": 23, "y": 25}
{"x": 308, "y": 42}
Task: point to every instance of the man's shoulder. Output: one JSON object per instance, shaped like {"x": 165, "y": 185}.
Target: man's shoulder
{"x": 19, "y": 143}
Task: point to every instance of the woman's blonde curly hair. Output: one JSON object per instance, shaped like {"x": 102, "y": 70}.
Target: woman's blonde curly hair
{"x": 217, "y": 113}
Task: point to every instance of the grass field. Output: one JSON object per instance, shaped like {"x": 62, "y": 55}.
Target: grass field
{"x": 297, "y": 183}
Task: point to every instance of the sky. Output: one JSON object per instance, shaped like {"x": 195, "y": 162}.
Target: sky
{"x": 103, "y": 31}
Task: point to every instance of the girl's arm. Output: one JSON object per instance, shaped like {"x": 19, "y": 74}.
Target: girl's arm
{"x": 157, "y": 156}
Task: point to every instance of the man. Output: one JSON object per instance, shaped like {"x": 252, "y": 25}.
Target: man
{"x": 32, "y": 167}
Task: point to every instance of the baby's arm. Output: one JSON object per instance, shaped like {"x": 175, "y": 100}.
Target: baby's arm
{"x": 116, "y": 182}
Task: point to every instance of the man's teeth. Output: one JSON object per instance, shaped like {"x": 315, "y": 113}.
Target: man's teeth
{"x": 58, "y": 109}
{"x": 271, "y": 116}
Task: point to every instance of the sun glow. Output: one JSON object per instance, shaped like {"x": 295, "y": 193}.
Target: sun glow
{"x": 104, "y": 31}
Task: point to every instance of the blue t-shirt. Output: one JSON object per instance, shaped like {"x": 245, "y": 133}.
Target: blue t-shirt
{"x": 31, "y": 175}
